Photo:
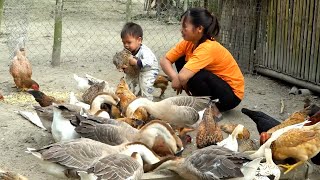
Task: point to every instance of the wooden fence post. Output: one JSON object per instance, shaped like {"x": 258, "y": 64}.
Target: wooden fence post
{"x": 1, "y": 12}
{"x": 56, "y": 52}
{"x": 185, "y": 5}
{"x": 128, "y": 10}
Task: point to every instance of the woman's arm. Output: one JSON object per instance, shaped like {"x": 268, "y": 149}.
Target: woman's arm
{"x": 184, "y": 76}
{"x": 167, "y": 68}
{"x": 173, "y": 75}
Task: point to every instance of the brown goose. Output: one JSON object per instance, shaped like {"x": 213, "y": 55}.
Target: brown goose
{"x": 64, "y": 159}
{"x": 180, "y": 110}
{"x": 156, "y": 134}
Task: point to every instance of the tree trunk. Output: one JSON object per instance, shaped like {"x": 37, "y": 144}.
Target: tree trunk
{"x": 1, "y": 12}
{"x": 56, "y": 52}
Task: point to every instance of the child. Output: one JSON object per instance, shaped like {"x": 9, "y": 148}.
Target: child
{"x": 205, "y": 67}
{"x": 143, "y": 58}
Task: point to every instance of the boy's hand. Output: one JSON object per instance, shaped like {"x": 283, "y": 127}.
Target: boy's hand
{"x": 132, "y": 61}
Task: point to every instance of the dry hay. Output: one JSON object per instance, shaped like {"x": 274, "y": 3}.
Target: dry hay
{"x": 26, "y": 98}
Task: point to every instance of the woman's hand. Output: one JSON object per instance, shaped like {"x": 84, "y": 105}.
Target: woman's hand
{"x": 176, "y": 85}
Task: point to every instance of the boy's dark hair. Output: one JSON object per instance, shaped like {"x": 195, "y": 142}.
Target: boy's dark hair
{"x": 132, "y": 29}
{"x": 202, "y": 17}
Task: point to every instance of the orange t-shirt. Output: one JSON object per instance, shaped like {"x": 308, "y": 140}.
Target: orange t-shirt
{"x": 211, "y": 56}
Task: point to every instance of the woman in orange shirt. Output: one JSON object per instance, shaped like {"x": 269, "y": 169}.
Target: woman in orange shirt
{"x": 205, "y": 67}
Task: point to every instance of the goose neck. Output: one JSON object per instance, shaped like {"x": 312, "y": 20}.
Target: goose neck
{"x": 146, "y": 154}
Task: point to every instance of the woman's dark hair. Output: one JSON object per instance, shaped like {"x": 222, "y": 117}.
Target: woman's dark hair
{"x": 202, "y": 17}
{"x": 132, "y": 29}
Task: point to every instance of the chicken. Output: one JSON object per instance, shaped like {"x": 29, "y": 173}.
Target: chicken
{"x": 43, "y": 99}
{"x": 136, "y": 123}
{"x": 313, "y": 107}
{"x": 7, "y": 175}
{"x": 314, "y": 119}
{"x": 21, "y": 71}
{"x": 1, "y": 97}
{"x": 121, "y": 59}
{"x": 209, "y": 132}
{"x": 263, "y": 121}
{"x": 126, "y": 96}
{"x": 295, "y": 118}
{"x": 161, "y": 82}
{"x": 92, "y": 92}
{"x": 299, "y": 144}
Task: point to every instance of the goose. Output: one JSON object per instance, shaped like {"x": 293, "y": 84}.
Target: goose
{"x": 64, "y": 159}
{"x": 212, "y": 162}
{"x": 180, "y": 110}
{"x": 61, "y": 127}
{"x": 231, "y": 141}
{"x": 156, "y": 134}
{"x": 46, "y": 113}
{"x": 75, "y": 101}
{"x": 115, "y": 166}
{"x": 84, "y": 83}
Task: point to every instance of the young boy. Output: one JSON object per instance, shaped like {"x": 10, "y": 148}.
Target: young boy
{"x": 143, "y": 58}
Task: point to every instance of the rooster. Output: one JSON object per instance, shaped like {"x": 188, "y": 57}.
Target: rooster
{"x": 43, "y": 99}
{"x": 21, "y": 71}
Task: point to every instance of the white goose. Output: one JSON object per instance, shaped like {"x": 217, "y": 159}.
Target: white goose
{"x": 157, "y": 135}
{"x": 64, "y": 159}
{"x": 61, "y": 128}
{"x": 180, "y": 110}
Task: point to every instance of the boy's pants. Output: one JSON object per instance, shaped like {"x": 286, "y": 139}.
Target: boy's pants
{"x": 145, "y": 80}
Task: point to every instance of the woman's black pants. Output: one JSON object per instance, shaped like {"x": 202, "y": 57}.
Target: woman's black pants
{"x": 205, "y": 83}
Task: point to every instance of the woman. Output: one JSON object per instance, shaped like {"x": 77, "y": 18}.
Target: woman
{"x": 205, "y": 67}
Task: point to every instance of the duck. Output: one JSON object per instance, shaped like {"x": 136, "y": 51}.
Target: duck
{"x": 117, "y": 166}
{"x": 180, "y": 110}
{"x": 245, "y": 143}
{"x": 231, "y": 141}
{"x": 212, "y": 162}
{"x": 209, "y": 132}
{"x": 64, "y": 159}
{"x": 92, "y": 91}
{"x": 61, "y": 128}
{"x": 157, "y": 135}
{"x": 9, "y": 175}
{"x": 263, "y": 121}
{"x": 84, "y": 83}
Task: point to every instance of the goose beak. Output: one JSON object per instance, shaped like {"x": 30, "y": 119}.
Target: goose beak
{"x": 179, "y": 153}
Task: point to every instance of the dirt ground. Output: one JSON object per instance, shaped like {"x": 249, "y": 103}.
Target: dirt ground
{"x": 16, "y": 133}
